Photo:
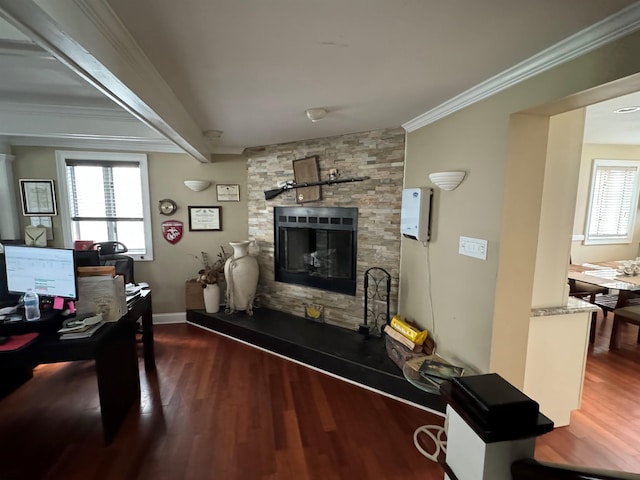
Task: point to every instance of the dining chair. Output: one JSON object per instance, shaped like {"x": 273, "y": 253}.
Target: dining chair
{"x": 622, "y": 315}
{"x": 589, "y": 292}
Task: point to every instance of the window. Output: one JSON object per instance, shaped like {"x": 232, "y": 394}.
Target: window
{"x": 105, "y": 197}
{"x": 613, "y": 203}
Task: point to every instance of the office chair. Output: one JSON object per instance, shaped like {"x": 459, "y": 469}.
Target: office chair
{"x": 112, "y": 254}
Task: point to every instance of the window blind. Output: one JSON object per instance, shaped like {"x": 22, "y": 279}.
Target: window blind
{"x": 101, "y": 191}
{"x": 105, "y": 197}
{"x": 614, "y": 200}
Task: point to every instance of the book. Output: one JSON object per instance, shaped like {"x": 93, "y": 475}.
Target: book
{"x": 82, "y": 334}
{"x": 402, "y": 339}
{"x": 439, "y": 370}
{"x": 80, "y": 327}
{"x": 435, "y": 381}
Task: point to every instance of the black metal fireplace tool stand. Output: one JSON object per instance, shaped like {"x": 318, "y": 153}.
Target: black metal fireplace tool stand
{"x": 377, "y": 293}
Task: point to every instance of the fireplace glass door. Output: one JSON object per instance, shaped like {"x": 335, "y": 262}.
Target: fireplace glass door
{"x": 316, "y": 247}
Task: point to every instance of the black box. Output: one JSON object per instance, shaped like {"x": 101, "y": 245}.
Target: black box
{"x": 494, "y": 403}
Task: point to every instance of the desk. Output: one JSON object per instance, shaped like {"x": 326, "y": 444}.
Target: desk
{"x": 113, "y": 348}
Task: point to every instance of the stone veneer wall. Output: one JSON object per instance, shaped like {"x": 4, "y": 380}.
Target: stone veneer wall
{"x": 378, "y": 154}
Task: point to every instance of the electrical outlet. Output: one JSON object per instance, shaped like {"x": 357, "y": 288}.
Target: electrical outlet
{"x": 473, "y": 247}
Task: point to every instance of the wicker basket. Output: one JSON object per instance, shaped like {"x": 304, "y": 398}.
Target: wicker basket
{"x": 398, "y": 352}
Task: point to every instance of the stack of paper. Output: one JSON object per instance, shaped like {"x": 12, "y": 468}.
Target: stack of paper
{"x": 80, "y": 328}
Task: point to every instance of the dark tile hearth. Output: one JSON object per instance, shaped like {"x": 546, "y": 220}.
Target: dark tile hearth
{"x": 336, "y": 350}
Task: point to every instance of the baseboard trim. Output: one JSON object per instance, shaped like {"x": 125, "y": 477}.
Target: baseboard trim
{"x": 166, "y": 318}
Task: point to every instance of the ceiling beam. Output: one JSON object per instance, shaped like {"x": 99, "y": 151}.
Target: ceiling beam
{"x": 90, "y": 39}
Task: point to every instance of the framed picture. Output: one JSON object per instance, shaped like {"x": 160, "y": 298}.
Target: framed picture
{"x": 204, "y": 219}
{"x": 38, "y": 197}
{"x": 228, "y": 193}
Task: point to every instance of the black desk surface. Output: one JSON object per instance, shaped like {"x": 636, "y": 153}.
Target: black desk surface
{"x": 48, "y": 348}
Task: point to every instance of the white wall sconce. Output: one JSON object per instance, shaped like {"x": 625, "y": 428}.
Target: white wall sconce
{"x": 447, "y": 180}
{"x": 316, "y": 114}
{"x": 197, "y": 185}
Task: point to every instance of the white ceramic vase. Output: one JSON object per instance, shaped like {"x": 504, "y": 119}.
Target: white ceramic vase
{"x": 241, "y": 273}
{"x": 211, "y": 298}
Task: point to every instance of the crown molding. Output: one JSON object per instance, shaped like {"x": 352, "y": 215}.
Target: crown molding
{"x": 94, "y": 119}
{"x": 90, "y": 39}
{"x": 84, "y": 142}
{"x": 616, "y": 26}
{"x": 78, "y": 111}
{"x": 22, "y": 49}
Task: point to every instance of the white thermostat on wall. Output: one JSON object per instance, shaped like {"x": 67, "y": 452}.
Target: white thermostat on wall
{"x": 415, "y": 215}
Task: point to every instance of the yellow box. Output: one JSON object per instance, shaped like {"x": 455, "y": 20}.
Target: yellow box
{"x": 416, "y": 336}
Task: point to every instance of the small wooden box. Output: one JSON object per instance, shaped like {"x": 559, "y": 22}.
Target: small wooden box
{"x": 97, "y": 271}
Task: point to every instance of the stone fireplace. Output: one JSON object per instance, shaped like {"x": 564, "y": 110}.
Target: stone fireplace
{"x": 377, "y": 154}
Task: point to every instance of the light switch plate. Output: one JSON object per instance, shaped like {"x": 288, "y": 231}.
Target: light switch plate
{"x": 473, "y": 247}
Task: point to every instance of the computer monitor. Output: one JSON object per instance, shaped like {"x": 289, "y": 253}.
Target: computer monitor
{"x": 50, "y": 272}
{"x": 6, "y": 298}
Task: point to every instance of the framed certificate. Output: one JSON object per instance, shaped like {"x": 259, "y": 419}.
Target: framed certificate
{"x": 38, "y": 197}
{"x": 228, "y": 193}
{"x": 205, "y": 219}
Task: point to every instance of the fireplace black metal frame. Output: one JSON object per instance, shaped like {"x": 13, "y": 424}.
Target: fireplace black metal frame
{"x": 319, "y": 218}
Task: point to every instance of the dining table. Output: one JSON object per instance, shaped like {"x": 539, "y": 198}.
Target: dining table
{"x": 608, "y": 275}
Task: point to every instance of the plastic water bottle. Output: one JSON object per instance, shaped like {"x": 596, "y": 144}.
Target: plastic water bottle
{"x": 31, "y": 306}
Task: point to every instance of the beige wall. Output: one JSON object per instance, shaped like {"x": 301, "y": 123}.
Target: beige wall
{"x": 172, "y": 264}
{"x": 482, "y": 308}
{"x": 564, "y": 149}
{"x": 599, "y": 253}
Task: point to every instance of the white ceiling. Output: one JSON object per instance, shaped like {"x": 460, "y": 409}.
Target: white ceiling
{"x": 250, "y": 68}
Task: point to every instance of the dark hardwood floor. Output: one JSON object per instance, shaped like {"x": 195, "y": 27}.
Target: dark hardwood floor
{"x": 217, "y": 409}
{"x": 605, "y": 431}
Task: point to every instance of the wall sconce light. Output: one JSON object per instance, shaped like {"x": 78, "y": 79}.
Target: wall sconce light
{"x": 316, "y": 114}
{"x": 447, "y": 180}
{"x": 197, "y": 185}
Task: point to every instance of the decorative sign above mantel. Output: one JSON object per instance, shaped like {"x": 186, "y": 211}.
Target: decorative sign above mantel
{"x": 307, "y": 181}
{"x": 305, "y": 170}
{"x": 270, "y": 194}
